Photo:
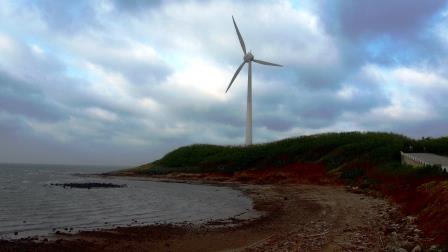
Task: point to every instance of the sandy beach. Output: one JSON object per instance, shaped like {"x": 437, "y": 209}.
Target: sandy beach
{"x": 296, "y": 217}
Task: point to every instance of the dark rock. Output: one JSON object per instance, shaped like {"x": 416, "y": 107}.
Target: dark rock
{"x": 88, "y": 185}
{"x": 407, "y": 245}
{"x": 417, "y": 249}
{"x": 434, "y": 248}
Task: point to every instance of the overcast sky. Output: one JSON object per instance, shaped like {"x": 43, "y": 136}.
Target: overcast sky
{"x": 124, "y": 81}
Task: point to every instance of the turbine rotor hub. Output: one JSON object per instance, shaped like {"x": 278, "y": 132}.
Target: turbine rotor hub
{"x": 248, "y": 57}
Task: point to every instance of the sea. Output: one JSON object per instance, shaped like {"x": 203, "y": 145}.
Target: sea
{"x": 31, "y": 206}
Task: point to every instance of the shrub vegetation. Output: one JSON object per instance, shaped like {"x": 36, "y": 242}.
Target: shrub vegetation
{"x": 347, "y": 152}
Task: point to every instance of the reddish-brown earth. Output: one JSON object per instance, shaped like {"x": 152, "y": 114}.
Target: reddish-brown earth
{"x": 424, "y": 197}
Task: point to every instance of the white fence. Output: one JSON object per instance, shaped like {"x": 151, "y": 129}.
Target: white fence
{"x": 421, "y": 162}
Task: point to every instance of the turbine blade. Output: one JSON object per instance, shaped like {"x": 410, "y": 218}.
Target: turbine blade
{"x": 239, "y": 36}
{"x": 266, "y": 63}
{"x": 234, "y": 76}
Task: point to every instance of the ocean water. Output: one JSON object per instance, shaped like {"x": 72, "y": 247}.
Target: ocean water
{"x": 31, "y": 206}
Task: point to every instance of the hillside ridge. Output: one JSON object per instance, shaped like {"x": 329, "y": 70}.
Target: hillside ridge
{"x": 333, "y": 150}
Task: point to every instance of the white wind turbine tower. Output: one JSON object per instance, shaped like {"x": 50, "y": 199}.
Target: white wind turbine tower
{"x": 248, "y": 58}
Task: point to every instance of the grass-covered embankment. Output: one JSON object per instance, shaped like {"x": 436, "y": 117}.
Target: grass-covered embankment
{"x": 369, "y": 161}
{"x": 335, "y": 151}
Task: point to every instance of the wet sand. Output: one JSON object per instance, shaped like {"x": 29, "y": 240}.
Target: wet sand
{"x": 297, "y": 217}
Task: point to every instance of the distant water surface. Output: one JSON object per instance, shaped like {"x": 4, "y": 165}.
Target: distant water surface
{"x": 30, "y": 206}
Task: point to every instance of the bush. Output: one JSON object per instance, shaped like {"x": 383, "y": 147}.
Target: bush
{"x": 352, "y": 174}
{"x": 335, "y": 150}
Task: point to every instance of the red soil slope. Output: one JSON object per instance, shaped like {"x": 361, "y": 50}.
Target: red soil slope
{"x": 426, "y": 198}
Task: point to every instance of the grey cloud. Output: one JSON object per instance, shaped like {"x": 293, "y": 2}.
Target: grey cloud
{"x": 140, "y": 73}
{"x": 66, "y": 16}
{"x": 134, "y": 60}
{"x": 428, "y": 128}
{"x": 25, "y": 147}
{"x": 403, "y": 27}
{"x": 315, "y": 108}
{"x": 276, "y": 121}
{"x": 225, "y": 114}
{"x": 21, "y": 98}
{"x": 362, "y": 17}
{"x": 135, "y": 5}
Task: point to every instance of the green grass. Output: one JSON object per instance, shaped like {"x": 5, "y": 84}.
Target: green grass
{"x": 335, "y": 150}
{"x": 402, "y": 170}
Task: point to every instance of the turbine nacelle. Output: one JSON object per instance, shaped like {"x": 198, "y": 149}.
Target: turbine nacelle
{"x": 248, "y": 57}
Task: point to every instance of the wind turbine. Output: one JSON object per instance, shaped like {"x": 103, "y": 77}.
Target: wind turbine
{"x": 247, "y": 58}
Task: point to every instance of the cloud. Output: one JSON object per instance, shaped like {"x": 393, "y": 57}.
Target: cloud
{"x": 135, "y": 61}
{"x": 63, "y": 17}
{"x": 135, "y": 5}
{"x": 415, "y": 106}
{"x": 90, "y": 82}
{"x": 365, "y": 18}
{"x": 19, "y": 97}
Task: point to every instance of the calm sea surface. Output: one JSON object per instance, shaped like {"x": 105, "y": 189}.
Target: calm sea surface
{"x": 30, "y": 206}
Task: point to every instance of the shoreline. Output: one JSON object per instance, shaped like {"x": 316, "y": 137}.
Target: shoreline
{"x": 247, "y": 212}
{"x": 296, "y": 216}
{"x": 94, "y": 240}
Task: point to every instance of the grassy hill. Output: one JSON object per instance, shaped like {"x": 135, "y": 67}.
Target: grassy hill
{"x": 336, "y": 151}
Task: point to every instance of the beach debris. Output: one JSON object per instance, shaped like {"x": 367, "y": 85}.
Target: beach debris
{"x": 88, "y": 185}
